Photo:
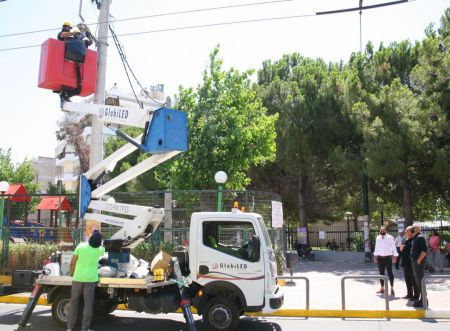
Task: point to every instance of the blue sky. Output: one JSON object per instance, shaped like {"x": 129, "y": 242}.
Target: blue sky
{"x": 28, "y": 115}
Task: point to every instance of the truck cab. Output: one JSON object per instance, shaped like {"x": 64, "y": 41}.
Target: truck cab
{"x": 231, "y": 258}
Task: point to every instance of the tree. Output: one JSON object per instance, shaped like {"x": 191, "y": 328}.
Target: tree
{"x": 228, "y": 129}
{"x": 71, "y": 129}
{"x": 23, "y": 173}
{"x": 303, "y": 92}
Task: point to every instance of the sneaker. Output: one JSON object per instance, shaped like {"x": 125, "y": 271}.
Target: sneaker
{"x": 418, "y": 304}
{"x": 381, "y": 290}
{"x": 392, "y": 291}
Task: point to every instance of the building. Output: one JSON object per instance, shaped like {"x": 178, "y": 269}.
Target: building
{"x": 46, "y": 171}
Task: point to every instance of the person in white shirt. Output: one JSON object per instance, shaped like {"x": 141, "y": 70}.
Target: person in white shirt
{"x": 398, "y": 243}
{"x": 385, "y": 255}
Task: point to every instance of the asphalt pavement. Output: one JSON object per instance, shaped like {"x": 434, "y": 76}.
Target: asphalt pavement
{"x": 126, "y": 321}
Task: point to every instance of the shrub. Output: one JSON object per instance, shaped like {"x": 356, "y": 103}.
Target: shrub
{"x": 26, "y": 256}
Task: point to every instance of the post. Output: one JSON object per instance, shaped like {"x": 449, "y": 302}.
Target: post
{"x": 96, "y": 148}
{"x": 367, "y": 253}
{"x": 4, "y": 186}
{"x": 59, "y": 233}
{"x": 220, "y": 177}
{"x": 219, "y": 197}
{"x": 2, "y": 207}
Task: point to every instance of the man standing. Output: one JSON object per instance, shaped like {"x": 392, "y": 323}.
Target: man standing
{"x": 385, "y": 254}
{"x": 398, "y": 243}
{"x": 418, "y": 255}
{"x": 84, "y": 269}
{"x": 412, "y": 292}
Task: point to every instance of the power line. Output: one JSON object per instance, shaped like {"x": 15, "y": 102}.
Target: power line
{"x": 190, "y": 27}
{"x": 190, "y": 11}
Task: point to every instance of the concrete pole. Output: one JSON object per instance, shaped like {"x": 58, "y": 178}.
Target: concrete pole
{"x": 96, "y": 149}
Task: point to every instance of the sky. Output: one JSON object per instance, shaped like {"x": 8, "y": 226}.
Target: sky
{"x": 29, "y": 115}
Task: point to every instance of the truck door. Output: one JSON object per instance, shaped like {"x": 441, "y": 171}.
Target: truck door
{"x": 229, "y": 251}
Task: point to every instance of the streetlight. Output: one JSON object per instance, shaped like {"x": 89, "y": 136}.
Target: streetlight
{"x": 4, "y": 186}
{"x": 348, "y": 214}
{"x": 220, "y": 177}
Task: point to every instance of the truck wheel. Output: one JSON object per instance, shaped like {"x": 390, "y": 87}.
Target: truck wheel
{"x": 60, "y": 308}
{"x": 221, "y": 314}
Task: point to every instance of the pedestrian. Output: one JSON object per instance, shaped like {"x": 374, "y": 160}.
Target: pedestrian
{"x": 385, "y": 255}
{"x": 418, "y": 255}
{"x": 84, "y": 271}
{"x": 412, "y": 292}
{"x": 434, "y": 243}
{"x": 447, "y": 252}
{"x": 398, "y": 243}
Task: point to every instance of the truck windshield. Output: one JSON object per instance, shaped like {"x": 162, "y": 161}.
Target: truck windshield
{"x": 265, "y": 233}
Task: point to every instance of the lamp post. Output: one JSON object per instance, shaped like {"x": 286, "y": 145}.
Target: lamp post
{"x": 220, "y": 177}
{"x": 4, "y": 186}
{"x": 348, "y": 214}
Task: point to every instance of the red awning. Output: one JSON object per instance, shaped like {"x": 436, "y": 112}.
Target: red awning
{"x": 17, "y": 193}
{"x": 52, "y": 203}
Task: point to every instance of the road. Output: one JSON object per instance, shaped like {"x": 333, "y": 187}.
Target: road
{"x": 126, "y": 321}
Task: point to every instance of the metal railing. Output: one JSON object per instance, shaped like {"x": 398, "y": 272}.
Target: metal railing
{"x": 343, "y": 279}
{"x": 424, "y": 288}
{"x": 307, "y": 286}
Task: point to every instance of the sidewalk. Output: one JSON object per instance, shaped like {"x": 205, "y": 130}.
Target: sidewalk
{"x": 325, "y": 288}
{"x": 325, "y": 293}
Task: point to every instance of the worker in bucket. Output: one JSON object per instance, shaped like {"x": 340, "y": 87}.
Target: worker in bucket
{"x": 84, "y": 271}
{"x": 65, "y": 34}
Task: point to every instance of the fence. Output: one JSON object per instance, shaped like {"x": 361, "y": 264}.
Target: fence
{"x": 332, "y": 237}
{"x": 33, "y": 221}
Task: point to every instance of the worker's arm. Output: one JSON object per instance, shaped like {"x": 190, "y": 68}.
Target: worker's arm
{"x": 73, "y": 263}
{"x": 67, "y": 34}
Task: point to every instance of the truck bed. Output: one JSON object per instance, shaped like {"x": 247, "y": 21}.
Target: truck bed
{"x": 140, "y": 283}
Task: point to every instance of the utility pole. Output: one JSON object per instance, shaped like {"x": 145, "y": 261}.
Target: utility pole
{"x": 96, "y": 149}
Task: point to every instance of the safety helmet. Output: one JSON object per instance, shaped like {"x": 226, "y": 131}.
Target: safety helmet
{"x": 67, "y": 24}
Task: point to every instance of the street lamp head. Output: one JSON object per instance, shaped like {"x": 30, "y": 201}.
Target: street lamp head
{"x": 4, "y": 186}
{"x": 220, "y": 177}
{"x": 348, "y": 213}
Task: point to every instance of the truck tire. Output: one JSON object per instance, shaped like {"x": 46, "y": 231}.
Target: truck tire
{"x": 221, "y": 314}
{"x": 60, "y": 308}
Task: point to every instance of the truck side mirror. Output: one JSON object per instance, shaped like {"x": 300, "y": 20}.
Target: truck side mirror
{"x": 256, "y": 246}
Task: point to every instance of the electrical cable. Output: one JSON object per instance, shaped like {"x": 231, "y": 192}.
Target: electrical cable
{"x": 123, "y": 57}
{"x": 190, "y": 11}
{"x": 200, "y": 26}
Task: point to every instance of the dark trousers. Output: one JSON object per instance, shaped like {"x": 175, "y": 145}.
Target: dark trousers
{"x": 385, "y": 263}
{"x": 87, "y": 290}
{"x": 412, "y": 290}
{"x": 418, "y": 270}
{"x": 397, "y": 263}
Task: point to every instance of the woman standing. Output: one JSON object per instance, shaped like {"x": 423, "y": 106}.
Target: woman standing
{"x": 434, "y": 243}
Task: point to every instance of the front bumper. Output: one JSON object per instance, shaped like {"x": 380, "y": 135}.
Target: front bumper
{"x": 274, "y": 300}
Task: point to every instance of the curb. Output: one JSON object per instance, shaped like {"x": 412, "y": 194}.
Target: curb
{"x": 407, "y": 314}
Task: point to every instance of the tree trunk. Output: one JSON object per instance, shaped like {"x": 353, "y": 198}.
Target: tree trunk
{"x": 407, "y": 200}
{"x": 301, "y": 194}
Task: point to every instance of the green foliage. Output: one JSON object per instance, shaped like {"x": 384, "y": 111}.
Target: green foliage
{"x": 229, "y": 130}
{"x": 26, "y": 256}
{"x": 22, "y": 173}
{"x": 147, "y": 250}
{"x": 280, "y": 259}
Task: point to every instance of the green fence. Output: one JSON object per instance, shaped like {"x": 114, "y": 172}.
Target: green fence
{"x": 25, "y": 225}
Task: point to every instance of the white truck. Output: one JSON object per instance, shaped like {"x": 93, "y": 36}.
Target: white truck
{"x": 228, "y": 269}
